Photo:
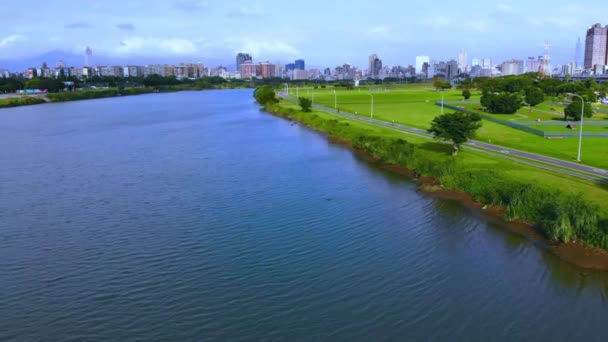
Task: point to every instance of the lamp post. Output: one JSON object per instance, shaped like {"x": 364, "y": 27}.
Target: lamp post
{"x": 580, "y": 137}
{"x": 372, "y": 96}
{"x": 335, "y": 100}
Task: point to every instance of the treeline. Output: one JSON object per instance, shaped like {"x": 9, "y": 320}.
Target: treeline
{"x": 560, "y": 216}
{"x": 506, "y": 95}
{"x": 96, "y": 94}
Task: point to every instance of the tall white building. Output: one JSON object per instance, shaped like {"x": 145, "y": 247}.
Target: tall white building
{"x": 88, "y": 57}
{"x": 475, "y": 62}
{"x": 463, "y": 61}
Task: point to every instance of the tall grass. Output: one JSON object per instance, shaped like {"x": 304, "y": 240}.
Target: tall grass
{"x": 20, "y": 101}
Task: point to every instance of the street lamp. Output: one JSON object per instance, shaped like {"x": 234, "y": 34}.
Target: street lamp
{"x": 580, "y": 138}
{"x": 335, "y": 100}
{"x": 372, "y": 115}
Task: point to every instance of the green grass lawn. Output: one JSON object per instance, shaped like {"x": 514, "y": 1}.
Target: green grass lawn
{"x": 473, "y": 160}
{"x": 414, "y": 105}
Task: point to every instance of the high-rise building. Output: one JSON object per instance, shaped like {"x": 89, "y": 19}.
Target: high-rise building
{"x": 475, "y": 62}
{"x": 375, "y": 65}
{"x": 300, "y": 74}
{"x": 595, "y": 46}
{"x": 299, "y": 64}
{"x": 512, "y": 67}
{"x": 248, "y": 70}
{"x": 420, "y": 60}
{"x": 578, "y": 52}
{"x": 452, "y": 69}
{"x": 486, "y": 63}
{"x": 242, "y": 58}
{"x": 532, "y": 65}
{"x": 265, "y": 70}
{"x": 88, "y": 57}
{"x": 463, "y": 61}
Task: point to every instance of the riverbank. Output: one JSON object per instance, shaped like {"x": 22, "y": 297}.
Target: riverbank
{"x": 96, "y": 94}
{"x": 563, "y": 219}
{"x": 20, "y": 101}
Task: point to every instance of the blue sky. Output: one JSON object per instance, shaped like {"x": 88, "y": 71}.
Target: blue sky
{"x": 325, "y": 33}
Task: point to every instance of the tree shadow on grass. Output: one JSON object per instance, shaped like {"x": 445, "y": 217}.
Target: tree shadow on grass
{"x": 437, "y": 147}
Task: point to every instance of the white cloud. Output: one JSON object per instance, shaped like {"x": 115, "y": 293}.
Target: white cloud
{"x": 264, "y": 48}
{"x": 254, "y": 11}
{"x": 504, "y": 8}
{"x": 379, "y": 30}
{"x": 155, "y": 46}
{"x": 437, "y": 22}
{"x": 14, "y": 38}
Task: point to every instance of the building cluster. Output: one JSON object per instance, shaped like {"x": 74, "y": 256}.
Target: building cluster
{"x": 592, "y": 61}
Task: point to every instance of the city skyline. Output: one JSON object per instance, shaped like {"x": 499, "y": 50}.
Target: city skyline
{"x": 120, "y": 37}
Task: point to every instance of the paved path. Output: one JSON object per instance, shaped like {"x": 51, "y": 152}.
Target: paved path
{"x": 532, "y": 159}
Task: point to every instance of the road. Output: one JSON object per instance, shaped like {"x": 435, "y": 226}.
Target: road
{"x": 532, "y": 159}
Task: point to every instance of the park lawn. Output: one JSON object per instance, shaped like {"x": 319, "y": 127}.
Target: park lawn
{"x": 414, "y": 105}
{"x": 563, "y": 128}
{"x": 470, "y": 160}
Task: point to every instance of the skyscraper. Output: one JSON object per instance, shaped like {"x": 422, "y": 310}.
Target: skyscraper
{"x": 88, "y": 56}
{"x": 578, "y": 52}
{"x": 375, "y": 65}
{"x": 242, "y": 58}
{"x": 299, "y": 64}
{"x": 595, "y": 46}
{"x": 463, "y": 64}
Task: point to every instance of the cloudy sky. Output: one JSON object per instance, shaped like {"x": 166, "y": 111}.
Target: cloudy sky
{"x": 323, "y": 32}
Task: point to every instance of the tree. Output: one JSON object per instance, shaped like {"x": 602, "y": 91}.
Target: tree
{"x": 466, "y": 94}
{"x": 305, "y": 104}
{"x": 455, "y": 127}
{"x": 34, "y": 83}
{"x": 574, "y": 110}
{"x": 440, "y": 84}
{"x": 265, "y": 95}
{"x": 534, "y": 96}
{"x": 503, "y": 103}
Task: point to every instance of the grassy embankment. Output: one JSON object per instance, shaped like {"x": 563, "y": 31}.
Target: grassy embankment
{"x": 414, "y": 105}
{"x": 563, "y": 208}
{"x": 20, "y": 101}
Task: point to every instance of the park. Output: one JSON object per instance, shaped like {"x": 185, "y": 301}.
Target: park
{"x": 560, "y": 206}
{"x": 416, "y": 105}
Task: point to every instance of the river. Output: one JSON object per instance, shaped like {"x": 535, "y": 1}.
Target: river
{"x": 194, "y": 216}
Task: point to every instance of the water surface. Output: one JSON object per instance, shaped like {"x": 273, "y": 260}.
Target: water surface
{"x": 193, "y": 216}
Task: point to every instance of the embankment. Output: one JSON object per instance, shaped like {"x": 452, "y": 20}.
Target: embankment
{"x": 565, "y": 219}
{"x": 20, "y": 101}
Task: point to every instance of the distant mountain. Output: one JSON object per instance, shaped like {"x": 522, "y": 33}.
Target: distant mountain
{"x": 70, "y": 59}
